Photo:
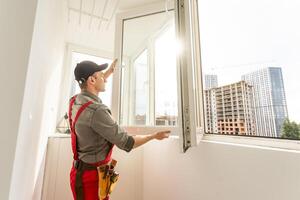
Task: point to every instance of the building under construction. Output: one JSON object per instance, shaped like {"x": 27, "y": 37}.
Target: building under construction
{"x": 229, "y": 109}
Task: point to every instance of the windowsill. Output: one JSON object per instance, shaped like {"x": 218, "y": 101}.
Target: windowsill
{"x": 242, "y": 141}
{"x": 262, "y": 143}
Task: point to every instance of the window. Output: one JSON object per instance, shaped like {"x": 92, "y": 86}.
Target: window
{"x": 166, "y": 107}
{"x": 251, "y": 49}
{"x": 149, "y": 76}
{"x": 172, "y": 83}
{"x": 141, "y": 114}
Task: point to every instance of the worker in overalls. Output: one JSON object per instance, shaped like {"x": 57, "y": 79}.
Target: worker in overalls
{"x": 94, "y": 133}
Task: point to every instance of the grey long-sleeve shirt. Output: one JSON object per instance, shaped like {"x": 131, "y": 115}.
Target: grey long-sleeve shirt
{"x": 96, "y": 130}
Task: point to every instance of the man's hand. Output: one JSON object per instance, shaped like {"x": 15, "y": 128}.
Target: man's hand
{"x": 161, "y": 135}
{"x": 111, "y": 69}
{"x": 142, "y": 139}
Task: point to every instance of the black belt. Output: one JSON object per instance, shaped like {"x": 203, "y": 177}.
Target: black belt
{"x": 81, "y": 166}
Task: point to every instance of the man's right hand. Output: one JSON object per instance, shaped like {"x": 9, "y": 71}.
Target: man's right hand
{"x": 142, "y": 139}
{"x": 161, "y": 135}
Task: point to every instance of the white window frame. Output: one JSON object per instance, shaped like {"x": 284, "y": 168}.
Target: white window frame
{"x": 116, "y": 101}
{"x": 276, "y": 144}
{"x": 190, "y": 73}
{"x": 186, "y": 127}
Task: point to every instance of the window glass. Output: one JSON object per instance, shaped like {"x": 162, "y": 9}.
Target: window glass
{"x": 250, "y": 64}
{"x": 165, "y": 79}
{"x": 149, "y": 77}
{"x": 141, "y": 90}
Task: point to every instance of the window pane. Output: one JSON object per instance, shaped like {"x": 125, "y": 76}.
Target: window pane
{"x": 104, "y": 96}
{"x": 141, "y": 90}
{"x": 165, "y": 78}
{"x": 149, "y": 85}
{"x": 250, "y": 65}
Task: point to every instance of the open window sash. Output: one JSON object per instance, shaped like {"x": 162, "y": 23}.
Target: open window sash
{"x": 189, "y": 67}
{"x": 189, "y": 86}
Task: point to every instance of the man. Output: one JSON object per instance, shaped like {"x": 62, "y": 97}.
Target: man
{"x": 94, "y": 132}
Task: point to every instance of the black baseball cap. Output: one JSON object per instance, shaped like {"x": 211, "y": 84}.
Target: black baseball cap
{"x": 85, "y": 69}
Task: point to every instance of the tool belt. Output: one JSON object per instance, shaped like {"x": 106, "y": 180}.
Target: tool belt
{"x": 107, "y": 177}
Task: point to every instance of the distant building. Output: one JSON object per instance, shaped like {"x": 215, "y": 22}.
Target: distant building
{"x": 270, "y": 105}
{"x": 166, "y": 120}
{"x": 211, "y": 122}
{"x": 228, "y": 109}
{"x": 211, "y": 81}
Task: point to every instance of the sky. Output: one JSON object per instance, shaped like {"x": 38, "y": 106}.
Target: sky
{"x": 238, "y": 37}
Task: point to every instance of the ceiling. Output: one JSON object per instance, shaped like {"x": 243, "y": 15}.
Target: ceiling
{"x": 138, "y": 31}
{"x": 91, "y": 23}
{"x": 98, "y": 14}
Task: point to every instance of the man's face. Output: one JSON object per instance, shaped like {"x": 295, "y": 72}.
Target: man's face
{"x": 99, "y": 81}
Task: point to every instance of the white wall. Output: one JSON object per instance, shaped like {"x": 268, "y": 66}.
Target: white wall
{"x": 219, "y": 172}
{"x": 38, "y": 116}
{"x": 16, "y": 22}
{"x": 210, "y": 172}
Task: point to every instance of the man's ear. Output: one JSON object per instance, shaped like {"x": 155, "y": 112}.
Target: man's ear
{"x": 92, "y": 79}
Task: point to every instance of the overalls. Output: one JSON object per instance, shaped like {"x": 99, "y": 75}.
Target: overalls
{"x": 84, "y": 176}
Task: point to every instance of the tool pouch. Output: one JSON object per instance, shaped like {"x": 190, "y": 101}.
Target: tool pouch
{"x": 108, "y": 178}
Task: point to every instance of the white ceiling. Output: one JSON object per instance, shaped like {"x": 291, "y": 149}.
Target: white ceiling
{"x": 139, "y": 30}
{"x": 91, "y": 23}
{"x": 99, "y": 13}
